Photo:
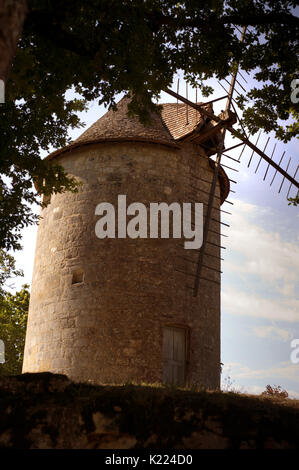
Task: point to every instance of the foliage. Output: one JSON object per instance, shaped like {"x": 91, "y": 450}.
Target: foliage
{"x": 275, "y": 392}
{"x": 13, "y": 320}
{"x": 7, "y": 270}
{"x": 294, "y": 200}
{"x": 103, "y": 47}
{"x": 13, "y": 316}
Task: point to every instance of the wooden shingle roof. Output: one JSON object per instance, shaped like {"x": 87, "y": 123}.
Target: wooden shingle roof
{"x": 118, "y": 125}
{"x": 182, "y": 120}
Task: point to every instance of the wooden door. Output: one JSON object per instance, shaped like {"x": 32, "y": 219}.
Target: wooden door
{"x": 174, "y": 355}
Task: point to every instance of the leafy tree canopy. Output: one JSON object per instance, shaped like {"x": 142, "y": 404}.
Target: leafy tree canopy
{"x": 103, "y": 47}
{"x": 13, "y": 317}
{"x": 13, "y": 320}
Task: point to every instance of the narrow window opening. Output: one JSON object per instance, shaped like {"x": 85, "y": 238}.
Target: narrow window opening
{"x": 78, "y": 276}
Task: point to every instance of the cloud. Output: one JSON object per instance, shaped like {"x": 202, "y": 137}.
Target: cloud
{"x": 257, "y": 390}
{"x": 293, "y": 394}
{"x": 272, "y": 263}
{"x": 237, "y": 302}
{"x": 287, "y": 289}
{"x": 273, "y": 332}
{"x": 263, "y": 253}
{"x": 281, "y": 374}
{"x": 282, "y": 371}
{"x": 254, "y": 389}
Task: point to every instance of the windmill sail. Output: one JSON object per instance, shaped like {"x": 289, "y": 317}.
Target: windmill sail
{"x": 221, "y": 124}
{"x": 225, "y": 122}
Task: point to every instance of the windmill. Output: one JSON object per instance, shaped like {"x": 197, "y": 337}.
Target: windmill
{"x": 223, "y": 123}
{"x": 112, "y": 309}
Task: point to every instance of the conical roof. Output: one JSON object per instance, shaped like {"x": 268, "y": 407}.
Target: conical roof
{"x": 170, "y": 128}
{"x": 117, "y": 126}
{"x": 174, "y": 123}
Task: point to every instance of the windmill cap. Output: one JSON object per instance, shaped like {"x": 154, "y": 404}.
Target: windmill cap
{"x": 168, "y": 128}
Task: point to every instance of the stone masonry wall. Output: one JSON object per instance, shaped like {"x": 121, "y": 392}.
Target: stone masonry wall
{"x": 108, "y": 329}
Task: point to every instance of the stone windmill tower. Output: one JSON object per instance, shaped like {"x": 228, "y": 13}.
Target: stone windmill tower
{"x": 122, "y": 309}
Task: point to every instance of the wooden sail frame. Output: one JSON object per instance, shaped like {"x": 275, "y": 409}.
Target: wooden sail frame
{"x": 224, "y": 122}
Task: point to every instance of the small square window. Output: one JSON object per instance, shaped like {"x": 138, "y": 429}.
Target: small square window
{"x": 78, "y": 276}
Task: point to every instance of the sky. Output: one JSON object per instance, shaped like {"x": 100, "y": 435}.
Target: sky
{"x": 260, "y": 280}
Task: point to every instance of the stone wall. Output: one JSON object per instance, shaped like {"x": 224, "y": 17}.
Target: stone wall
{"x": 46, "y": 411}
{"x": 108, "y": 328}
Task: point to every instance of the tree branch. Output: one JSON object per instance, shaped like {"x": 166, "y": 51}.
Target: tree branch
{"x": 51, "y": 30}
{"x": 248, "y": 19}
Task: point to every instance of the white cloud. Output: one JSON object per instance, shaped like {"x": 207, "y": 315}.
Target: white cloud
{"x": 272, "y": 263}
{"x": 236, "y": 302}
{"x": 264, "y": 253}
{"x": 287, "y": 289}
{"x": 273, "y": 332}
{"x": 265, "y": 273}
{"x": 282, "y": 371}
{"x": 254, "y": 389}
{"x": 258, "y": 389}
{"x": 293, "y": 394}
